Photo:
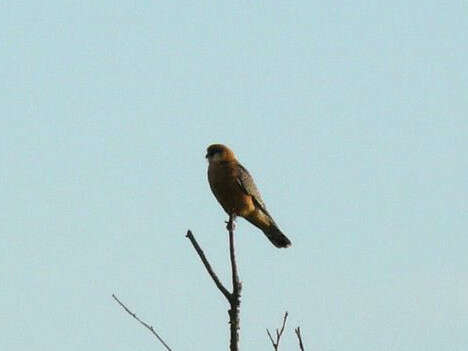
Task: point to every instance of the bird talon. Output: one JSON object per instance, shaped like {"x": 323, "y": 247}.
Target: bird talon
{"x": 230, "y": 225}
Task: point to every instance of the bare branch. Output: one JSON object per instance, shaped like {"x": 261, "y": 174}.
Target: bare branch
{"x": 299, "y": 337}
{"x": 271, "y": 339}
{"x": 234, "y": 297}
{"x": 282, "y": 327}
{"x": 236, "y": 285}
{"x": 279, "y": 333}
{"x": 236, "y": 289}
{"x": 207, "y": 265}
{"x": 146, "y": 325}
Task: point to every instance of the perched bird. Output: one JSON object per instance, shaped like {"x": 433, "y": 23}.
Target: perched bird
{"x": 237, "y": 193}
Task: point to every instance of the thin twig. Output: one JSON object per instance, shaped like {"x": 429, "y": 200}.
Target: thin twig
{"x": 149, "y": 327}
{"x": 207, "y": 265}
{"x": 279, "y": 333}
{"x": 299, "y": 337}
{"x": 271, "y": 339}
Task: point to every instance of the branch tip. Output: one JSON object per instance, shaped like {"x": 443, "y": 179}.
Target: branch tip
{"x": 146, "y": 325}
{"x": 299, "y": 338}
{"x": 279, "y": 333}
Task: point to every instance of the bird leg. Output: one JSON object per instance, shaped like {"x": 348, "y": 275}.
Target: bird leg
{"x": 231, "y": 225}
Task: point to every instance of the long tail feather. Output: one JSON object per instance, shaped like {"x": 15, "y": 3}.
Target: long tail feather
{"x": 269, "y": 228}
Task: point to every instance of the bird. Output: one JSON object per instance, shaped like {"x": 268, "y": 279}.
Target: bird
{"x": 235, "y": 190}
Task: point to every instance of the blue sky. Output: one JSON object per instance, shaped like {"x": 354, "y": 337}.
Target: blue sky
{"x": 351, "y": 116}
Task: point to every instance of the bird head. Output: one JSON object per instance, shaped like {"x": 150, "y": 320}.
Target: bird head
{"x": 219, "y": 153}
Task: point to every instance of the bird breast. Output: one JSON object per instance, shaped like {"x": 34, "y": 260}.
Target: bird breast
{"x": 222, "y": 177}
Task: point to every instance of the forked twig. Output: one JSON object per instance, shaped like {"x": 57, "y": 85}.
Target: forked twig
{"x": 279, "y": 333}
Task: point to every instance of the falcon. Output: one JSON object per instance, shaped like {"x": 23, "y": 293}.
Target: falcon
{"x": 235, "y": 190}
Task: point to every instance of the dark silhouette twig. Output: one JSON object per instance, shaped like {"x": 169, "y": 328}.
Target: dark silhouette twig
{"x": 212, "y": 274}
{"x": 299, "y": 337}
{"x": 149, "y": 327}
{"x": 234, "y": 297}
{"x": 236, "y": 290}
{"x": 278, "y": 333}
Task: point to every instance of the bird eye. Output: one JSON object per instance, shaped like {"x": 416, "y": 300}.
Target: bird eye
{"x": 210, "y": 153}
{"x": 213, "y": 151}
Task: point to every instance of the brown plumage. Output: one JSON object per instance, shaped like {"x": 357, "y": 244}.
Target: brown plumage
{"x": 237, "y": 193}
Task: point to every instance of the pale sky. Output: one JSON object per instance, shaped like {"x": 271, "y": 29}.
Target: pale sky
{"x": 351, "y": 116}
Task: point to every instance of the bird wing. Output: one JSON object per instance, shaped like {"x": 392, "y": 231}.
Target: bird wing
{"x": 248, "y": 186}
